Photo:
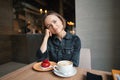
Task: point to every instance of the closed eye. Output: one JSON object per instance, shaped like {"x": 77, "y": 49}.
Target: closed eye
{"x": 54, "y": 21}
{"x": 48, "y": 26}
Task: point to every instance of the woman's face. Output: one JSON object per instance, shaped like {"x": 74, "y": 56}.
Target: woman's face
{"x": 54, "y": 24}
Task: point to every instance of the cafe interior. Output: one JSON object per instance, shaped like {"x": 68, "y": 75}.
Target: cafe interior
{"x": 22, "y": 35}
{"x": 95, "y": 22}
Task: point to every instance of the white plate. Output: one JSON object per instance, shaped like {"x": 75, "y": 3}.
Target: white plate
{"x": 65, "y": 75}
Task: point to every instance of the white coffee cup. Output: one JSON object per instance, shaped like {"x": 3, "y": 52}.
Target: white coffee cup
{"x": 64, "y": 67}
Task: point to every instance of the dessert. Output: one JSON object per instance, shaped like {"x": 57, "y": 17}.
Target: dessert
{"x": 45, "y": 63}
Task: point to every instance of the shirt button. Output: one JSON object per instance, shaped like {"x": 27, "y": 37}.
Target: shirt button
{"x": 69, "y": 52}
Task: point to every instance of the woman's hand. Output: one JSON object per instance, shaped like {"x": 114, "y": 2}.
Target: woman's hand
{"x": 47, "y": 33}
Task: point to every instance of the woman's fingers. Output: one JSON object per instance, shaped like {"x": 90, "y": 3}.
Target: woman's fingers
{"x": 48, "y": 33}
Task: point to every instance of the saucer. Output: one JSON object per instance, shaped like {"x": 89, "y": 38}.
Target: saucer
{"x": 38, "y": 67}
{"x": 65, "y": 75}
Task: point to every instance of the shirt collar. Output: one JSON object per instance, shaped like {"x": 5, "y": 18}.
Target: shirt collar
{"x": 67, "y": 36}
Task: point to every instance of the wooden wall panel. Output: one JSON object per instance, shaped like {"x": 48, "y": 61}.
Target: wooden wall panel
{"x": 5, "y": 30}
{"x": 6, "y": 16}
{"x": 5, "y": 49}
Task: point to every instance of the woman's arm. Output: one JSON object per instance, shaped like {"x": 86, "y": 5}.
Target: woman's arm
{"x": 43, "y": 47}
{"x": 42, "y": 51}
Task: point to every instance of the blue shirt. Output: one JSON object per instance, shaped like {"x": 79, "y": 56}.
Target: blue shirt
{"x": 66, "y": 49}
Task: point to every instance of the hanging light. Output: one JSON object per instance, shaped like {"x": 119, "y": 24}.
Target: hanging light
{"x": 45, "y": 11}
{"x": 70, "y": 23}
{"x": 41, "y": 11}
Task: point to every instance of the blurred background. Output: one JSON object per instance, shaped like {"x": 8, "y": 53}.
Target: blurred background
{"x": 28, "y": 14}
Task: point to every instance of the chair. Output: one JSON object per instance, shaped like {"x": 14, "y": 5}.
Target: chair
{"x": 85, "y": 58}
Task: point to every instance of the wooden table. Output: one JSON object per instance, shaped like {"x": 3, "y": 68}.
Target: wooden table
{"x": 27, "y": 73}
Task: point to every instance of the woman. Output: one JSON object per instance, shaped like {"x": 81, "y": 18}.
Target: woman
{"x": 57, "y": 43}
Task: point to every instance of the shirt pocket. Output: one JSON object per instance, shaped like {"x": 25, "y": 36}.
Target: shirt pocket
{"x": 68, "y": 50}
{"x": 67, "y": 53}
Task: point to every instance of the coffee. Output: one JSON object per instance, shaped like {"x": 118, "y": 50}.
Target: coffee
{"x": 64, "y": 67}
{"x": 64, "y": 63}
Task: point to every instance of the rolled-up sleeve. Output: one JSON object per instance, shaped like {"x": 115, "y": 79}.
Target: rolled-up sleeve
{"x": 76, "y": 52}
{"x": 41, "y": 56}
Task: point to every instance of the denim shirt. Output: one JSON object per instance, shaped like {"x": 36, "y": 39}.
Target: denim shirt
{"x": 66, "y": 49}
